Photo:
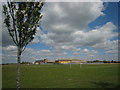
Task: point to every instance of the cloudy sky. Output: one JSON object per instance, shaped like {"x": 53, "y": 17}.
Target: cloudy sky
{"x": 80, "y": 30}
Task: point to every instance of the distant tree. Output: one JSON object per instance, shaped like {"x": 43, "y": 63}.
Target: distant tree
{"x": 112, "y": 61}
{"x": 24, "y": 62}
{"x": 21, "y": 20}
{"x": 96, "y": 61}
{"x": 89, "y": 61}
{"x": 104, "y": 61}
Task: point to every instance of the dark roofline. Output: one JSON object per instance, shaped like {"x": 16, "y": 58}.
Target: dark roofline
{"x": 39, "y": 60}
{"x": 63, "y": 60}
{"x": 69, "y": 60}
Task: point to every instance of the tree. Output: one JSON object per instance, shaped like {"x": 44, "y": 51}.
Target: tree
{"x": 21, "y": 20}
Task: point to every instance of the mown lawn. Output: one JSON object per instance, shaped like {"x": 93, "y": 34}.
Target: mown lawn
{"x": 62, "y": 76}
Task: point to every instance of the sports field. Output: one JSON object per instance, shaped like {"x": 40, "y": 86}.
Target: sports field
{"x": 62, "y": 76}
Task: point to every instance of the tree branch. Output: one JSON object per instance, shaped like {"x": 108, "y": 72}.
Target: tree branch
{"x": 11, "y": 11}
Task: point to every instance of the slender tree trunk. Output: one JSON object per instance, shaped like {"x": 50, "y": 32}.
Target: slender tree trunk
{"x": 18, "y": 69}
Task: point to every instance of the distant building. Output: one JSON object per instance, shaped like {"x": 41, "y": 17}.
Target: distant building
{"x": 60, "y": 61}
{"x": 50, "y": 62}
{"x": 41, "y": 61}
{"x": 45, "y": 60}
{"x": 68, "y": 61}
{"x": 78, "y": 61}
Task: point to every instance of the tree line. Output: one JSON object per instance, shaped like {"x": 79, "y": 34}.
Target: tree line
{"x": 103, "y": 61}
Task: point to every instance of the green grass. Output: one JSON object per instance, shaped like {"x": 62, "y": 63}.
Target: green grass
{"x": 62, "y": 76}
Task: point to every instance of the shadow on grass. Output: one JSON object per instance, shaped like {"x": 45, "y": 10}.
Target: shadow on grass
{"x": 105, "y": 85}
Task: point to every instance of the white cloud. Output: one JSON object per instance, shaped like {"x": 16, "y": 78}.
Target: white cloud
{"x": 107, "y": 45}
{"x": 50, "y": 53}
{"x": 65, "y": 24}
{"x": 10, "y": 48}
{"x": 112, "y": 51}
{"x": 76, "y": 15}
{"x": 64, "y": 47}
{"x": 96, "y": 38}
{"x": 85, "y": 51}
{"x": 92, "y": 55}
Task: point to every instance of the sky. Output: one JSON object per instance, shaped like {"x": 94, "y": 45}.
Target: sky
{"x": 79, "y": 30}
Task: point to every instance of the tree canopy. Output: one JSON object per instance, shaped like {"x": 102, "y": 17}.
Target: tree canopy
{"x": 22, "y": 19}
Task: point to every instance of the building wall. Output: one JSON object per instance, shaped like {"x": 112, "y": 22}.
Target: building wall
{"x": 64, "y": 62}
{"x": 45, "y": 60}
{"x": 67, "y": 61}
{"x": 36, "y": 63}
{"x": 78, "y": 61}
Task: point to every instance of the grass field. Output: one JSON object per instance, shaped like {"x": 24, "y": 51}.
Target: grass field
{"x": 62, "y": 76}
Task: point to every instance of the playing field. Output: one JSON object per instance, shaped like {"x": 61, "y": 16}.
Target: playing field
{"x": 62, "y": 76}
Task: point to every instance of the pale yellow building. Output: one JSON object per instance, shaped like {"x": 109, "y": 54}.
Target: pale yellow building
{"x": 68, "y": 61}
